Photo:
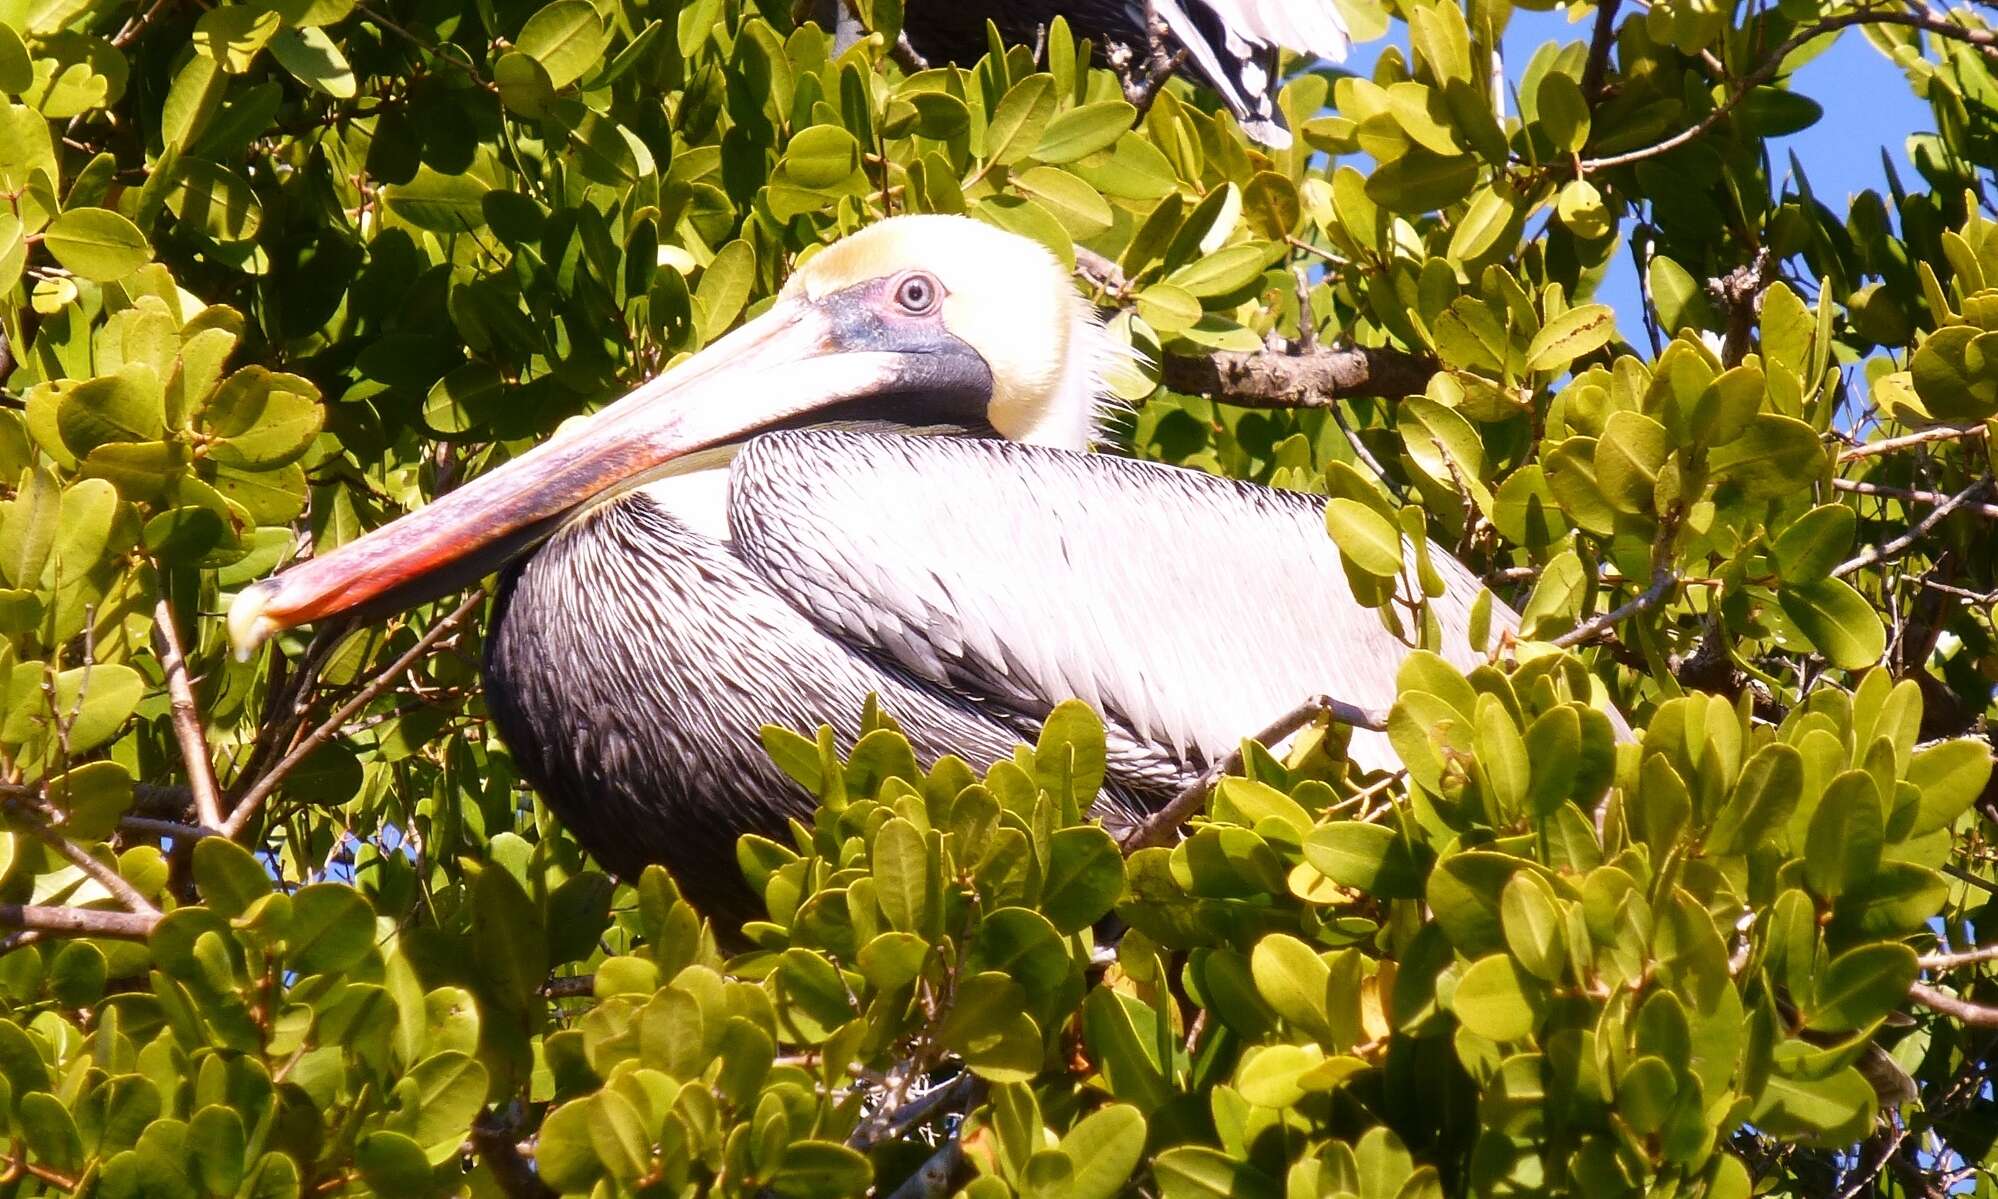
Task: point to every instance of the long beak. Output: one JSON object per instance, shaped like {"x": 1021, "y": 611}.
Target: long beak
{"x": 796, "y": 359}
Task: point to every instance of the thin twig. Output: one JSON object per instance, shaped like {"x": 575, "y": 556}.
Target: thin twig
{"x": 1662, "y": 583}
{"x": 1900, "y": 545}
{"x": 903, "y": 52}
{"x": 1888, "y": 445}
{"x": 1950, "y": 961}
{"x": 1773, "y": 65}
{"x": 33, "y": 814}
{"x": 572, "y": 986}
{"x": 1160, "y": 826}
{"x": 137, "y": 25}
{"x": 186, "y": 717}
{"x": 1103, "y": 272}
{"x": 104, "y": 876}
{"x": 248, "y": 806}
{"x": 1975, "y": 1015}
{"x": 79, "y": 922}
{"x": 1307, "y": 323}
{"x": 1862, "y": 1178}
{"x": 1158, "y": 66}
{"x": 152, "y": 826}
{"x": 496, "y": 1140}
{"x": 1860, "y": 487}
{"x": 1600, "y": 43}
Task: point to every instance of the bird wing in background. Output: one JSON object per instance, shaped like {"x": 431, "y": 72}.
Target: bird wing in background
{"x": 1232, "y": 44}
{"x": 1194, "y": 610}
{"x": 1306, "y": 26}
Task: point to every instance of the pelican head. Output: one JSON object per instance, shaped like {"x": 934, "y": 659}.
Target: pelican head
{"x": 920, "y": 323}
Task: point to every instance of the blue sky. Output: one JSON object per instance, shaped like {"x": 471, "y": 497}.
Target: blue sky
{"x": 1867, "y": 105}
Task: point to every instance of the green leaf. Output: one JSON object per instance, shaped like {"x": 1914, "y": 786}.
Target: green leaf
{"x": 1580, "y": 330}
{"x": 510, "y": 938}
{"x": 567, "y": 38}
{"x": 438, "y": 202}
{"x": 216, "y": 1142}
{"x": 1293, "y": 980}
{"x": 216, "y": 201}
{"x": 50, "y": 1132}
{"x": 1838, "y": 620}
{"x": 1366, "y": 857}
{"x": 96, "y": 243}
{"x": 1774, "y": 456}
{"x": 1955, "y": 372}
{"x": 1770, "y": 785}
{"x": 1805, "y": 1107}
{"x": 902, "y": 876}
{"x": 811, "y": 1169}
{"x": 1420, "y": 181}
{"x": 28, "y": 528}
{"x": 314, "y": 60}
{"x": 332, "y": 928}
{"x": 1502, "y": 761}
{"x": 1563, "y": 112}
{"x": 1366, "y": 538}
{"x": 1197, "y": 1172}
{"x": 1631, "y": 452}
{"x": 1079, "y": 207}
{"x": 1497, "y": 999}
{"x": 988, "y": 1027}
{"x": 92, "y": 797}
{"x": 1085, "y": 877}
{"x": 1226, "y": 270}
{"x": 1844, "y": 839}
{"x": 1084, "y": 130}
{"x": 822, "y": 156}
{"x": 229, "y": 876}
{"x": 1897, "y": 900}
{"x": 233, "y": 35}
{"x": 564, "y": 1153}
{"x": 197, "y": 90}
{"x": 1949, "y": 778}
{"x": 1860, "y": 986}
{"x": 17, "y": 70}
{"x": 127, "y": 406}
{"x": 1814, "y": 543}
{"x": 392, "y": 1164}
{"x": 1484, "y": 225}
{"x": 260, "y": 420}
{"x": 92, "y": 703}
{"x": 1105, "y": 1147}
{"x": 1020, "y": 119}
{"x": 1646, "y": 1094}
{"x": 1535, "y": 930}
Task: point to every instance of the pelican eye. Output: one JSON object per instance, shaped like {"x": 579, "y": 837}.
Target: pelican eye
{"x": 918, "y": 294}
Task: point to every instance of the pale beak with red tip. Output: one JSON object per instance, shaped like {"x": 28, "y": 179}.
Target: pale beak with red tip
{"x": 856, "y": 354}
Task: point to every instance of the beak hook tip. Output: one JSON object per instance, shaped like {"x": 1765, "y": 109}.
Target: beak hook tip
{"x": 249, "y": 623}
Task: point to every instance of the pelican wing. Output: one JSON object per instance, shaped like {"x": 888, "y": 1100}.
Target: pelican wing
{"x": 1306, "y": 26}
{"x": 1191, "y": 609}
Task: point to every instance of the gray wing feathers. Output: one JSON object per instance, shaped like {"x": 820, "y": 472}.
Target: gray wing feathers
{"x": 1192, "y": 610}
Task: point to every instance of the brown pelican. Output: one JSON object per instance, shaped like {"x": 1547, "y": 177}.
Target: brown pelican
{"x": 878, "y": 486}
{"x": 1230, "y": 45}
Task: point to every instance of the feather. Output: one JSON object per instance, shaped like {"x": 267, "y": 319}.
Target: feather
{"x": 1192, "y": 610}
{"x": 1230, "y": 44}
